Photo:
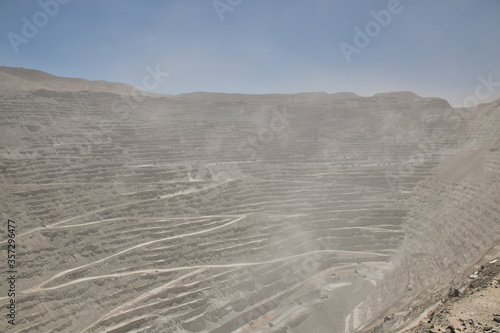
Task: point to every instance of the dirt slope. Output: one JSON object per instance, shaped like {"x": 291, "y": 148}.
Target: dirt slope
{"x": 224, "y": 213}
{"x": 453, "y": 222}
{"x": 17, "y": 79}
{"x": 475, "y": 309}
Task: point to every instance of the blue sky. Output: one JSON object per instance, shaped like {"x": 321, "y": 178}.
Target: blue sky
{"x": 434, "y": 48}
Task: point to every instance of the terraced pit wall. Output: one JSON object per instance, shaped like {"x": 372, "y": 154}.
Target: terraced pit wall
{"x": 224, "y": 213}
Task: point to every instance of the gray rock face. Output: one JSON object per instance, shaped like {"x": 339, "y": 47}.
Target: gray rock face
{"x": 241, "y": 213}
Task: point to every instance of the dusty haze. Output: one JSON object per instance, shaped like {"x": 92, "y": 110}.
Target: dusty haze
{"x": 220, "y": 213}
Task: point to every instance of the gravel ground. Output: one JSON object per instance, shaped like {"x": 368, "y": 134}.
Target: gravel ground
{"x": 476, "y": 309}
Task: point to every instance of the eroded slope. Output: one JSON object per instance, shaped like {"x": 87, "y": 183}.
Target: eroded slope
{"x": 205, "y": 212}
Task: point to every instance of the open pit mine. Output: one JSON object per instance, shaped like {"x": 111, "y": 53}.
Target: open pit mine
{"x": 217, "y": 213}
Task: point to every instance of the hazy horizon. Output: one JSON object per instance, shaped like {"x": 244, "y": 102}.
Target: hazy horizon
{"x": 432, "y": 49}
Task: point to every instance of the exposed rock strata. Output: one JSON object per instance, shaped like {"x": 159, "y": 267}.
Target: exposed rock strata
{"x": 224, "y": 212}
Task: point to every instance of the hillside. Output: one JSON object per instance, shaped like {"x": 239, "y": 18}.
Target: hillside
{"x": 19, "y": 79}
{"x": 223, "y": 213}
{"x": 473, "y": 309}
{"x": 452, "y": 225}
